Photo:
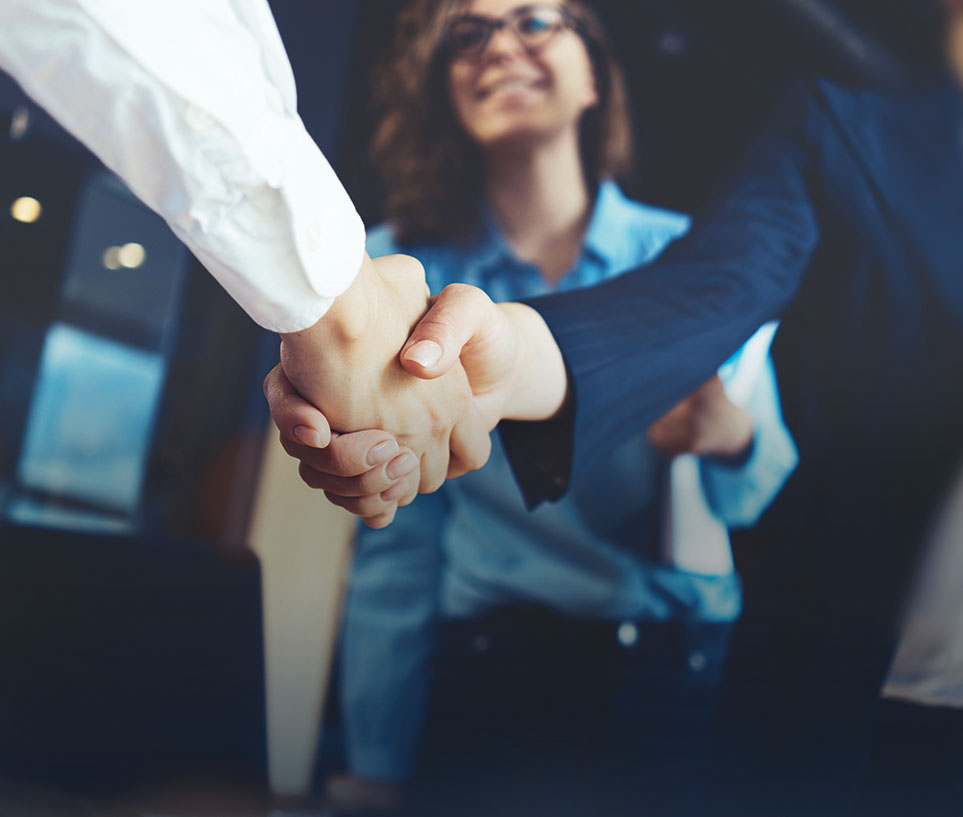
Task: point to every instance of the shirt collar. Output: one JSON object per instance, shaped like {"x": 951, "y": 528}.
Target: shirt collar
{"x": 609, "y": 204}
{"x": 492, "y": 247}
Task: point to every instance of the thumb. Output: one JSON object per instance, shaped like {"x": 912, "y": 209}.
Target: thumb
{"x": 457, "y": 318}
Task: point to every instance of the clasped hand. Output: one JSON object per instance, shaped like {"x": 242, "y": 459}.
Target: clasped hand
{"x": 369, "y": 433}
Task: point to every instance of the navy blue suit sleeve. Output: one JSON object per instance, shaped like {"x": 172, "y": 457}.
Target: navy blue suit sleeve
{"x": 638, "y": 344}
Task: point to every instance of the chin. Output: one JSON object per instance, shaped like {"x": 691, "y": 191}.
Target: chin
{"x": 517, "y": 135}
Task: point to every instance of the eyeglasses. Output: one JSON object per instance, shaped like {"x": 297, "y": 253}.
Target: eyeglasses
{"x": 534, "y": 25}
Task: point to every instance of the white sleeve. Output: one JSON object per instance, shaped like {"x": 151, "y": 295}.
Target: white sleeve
{"x": 193, "y": 105}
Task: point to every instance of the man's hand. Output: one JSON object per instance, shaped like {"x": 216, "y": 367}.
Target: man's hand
{"x": 706, "y": 423}
{"x": 514, "y": 369}
{"x": 347, "y": 366}
{"x": 513, "y": 365}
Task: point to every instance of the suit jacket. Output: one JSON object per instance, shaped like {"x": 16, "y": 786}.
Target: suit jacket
{"x": 845, "y": 219}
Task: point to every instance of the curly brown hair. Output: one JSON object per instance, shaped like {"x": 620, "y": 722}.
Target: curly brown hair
{"x": 430, "y": 168}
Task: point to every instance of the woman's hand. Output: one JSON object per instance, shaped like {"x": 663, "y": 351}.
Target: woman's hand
{"x": 706, "y": 424}
{"x": 366, "y": 472}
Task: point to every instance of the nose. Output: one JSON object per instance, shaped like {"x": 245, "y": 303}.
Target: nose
{"x": 503, "y": 44}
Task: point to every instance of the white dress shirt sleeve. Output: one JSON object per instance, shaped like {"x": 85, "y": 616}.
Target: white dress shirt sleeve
{"x": 193, "y": 105}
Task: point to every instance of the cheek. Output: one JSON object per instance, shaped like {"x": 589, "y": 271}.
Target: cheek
{"x": 588, "y": 93}
{"x": 460, "y": 96}
{"x": 575, "y": 77}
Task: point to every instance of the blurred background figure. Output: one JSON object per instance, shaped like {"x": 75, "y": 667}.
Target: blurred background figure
{"x": 584, "y": 629}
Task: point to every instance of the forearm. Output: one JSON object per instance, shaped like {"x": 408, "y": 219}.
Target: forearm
{"x": 636, "y": 346}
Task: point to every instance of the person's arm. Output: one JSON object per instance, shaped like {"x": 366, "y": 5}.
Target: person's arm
{"x": 193, "y": 106}
{"x": 635, "y": 346}
{"x": 625, "y": 352}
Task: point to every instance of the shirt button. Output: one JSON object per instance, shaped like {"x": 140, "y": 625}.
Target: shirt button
{"x": 197, "y": 118}
{"x": 697, "y": 661}
{"x": 628, "y": 634}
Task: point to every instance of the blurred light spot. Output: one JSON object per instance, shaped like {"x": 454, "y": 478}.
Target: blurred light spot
{"x": 131, "y": 255}
{"x": 112, "y": 258}
{"x": 628, "y": 634}
{"x": 19, "y": 123}
{"x": 672, "y": 44}
{"x": 26, "y": 209}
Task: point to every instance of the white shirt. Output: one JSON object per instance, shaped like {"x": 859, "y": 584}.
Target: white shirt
{"x": 192, "y": 103}
{"x": 928, "y": 667}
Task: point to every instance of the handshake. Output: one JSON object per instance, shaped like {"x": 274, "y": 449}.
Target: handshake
{"x": 392, "y": 392}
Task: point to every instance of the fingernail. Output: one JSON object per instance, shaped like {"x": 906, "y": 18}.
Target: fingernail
{"x": 307, "y": 436}
{"x": 402, "y": 466}
{"x": 426, "y": 353}
{"x": 382, "y": 452}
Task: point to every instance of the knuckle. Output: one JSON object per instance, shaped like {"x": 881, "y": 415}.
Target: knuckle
{"x": 431, "y": 483}
{"x": 438, "y": 427}
{"x": 479, "y": 456}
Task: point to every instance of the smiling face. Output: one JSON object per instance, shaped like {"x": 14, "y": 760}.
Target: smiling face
{"x": 509, "y": 95}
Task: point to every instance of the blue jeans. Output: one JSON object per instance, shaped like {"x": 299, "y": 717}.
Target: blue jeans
{"x": 536, "y": 713}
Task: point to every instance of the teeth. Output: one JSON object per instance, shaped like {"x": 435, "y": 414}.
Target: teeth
{"x": 510, "y": 85}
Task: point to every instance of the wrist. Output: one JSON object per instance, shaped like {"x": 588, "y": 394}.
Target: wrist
{"x": 346, "y": 321}
{"x": 538, "y": 384}
{"x": 315, "y": 358}
{"x": 336, "y": 335}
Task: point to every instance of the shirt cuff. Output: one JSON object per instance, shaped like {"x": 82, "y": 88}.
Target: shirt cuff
{"x": 291, "y": 244}
{"x": 540, "y": 455}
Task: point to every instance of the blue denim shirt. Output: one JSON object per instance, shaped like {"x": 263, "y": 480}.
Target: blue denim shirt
{"x": 473, "y": 545}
